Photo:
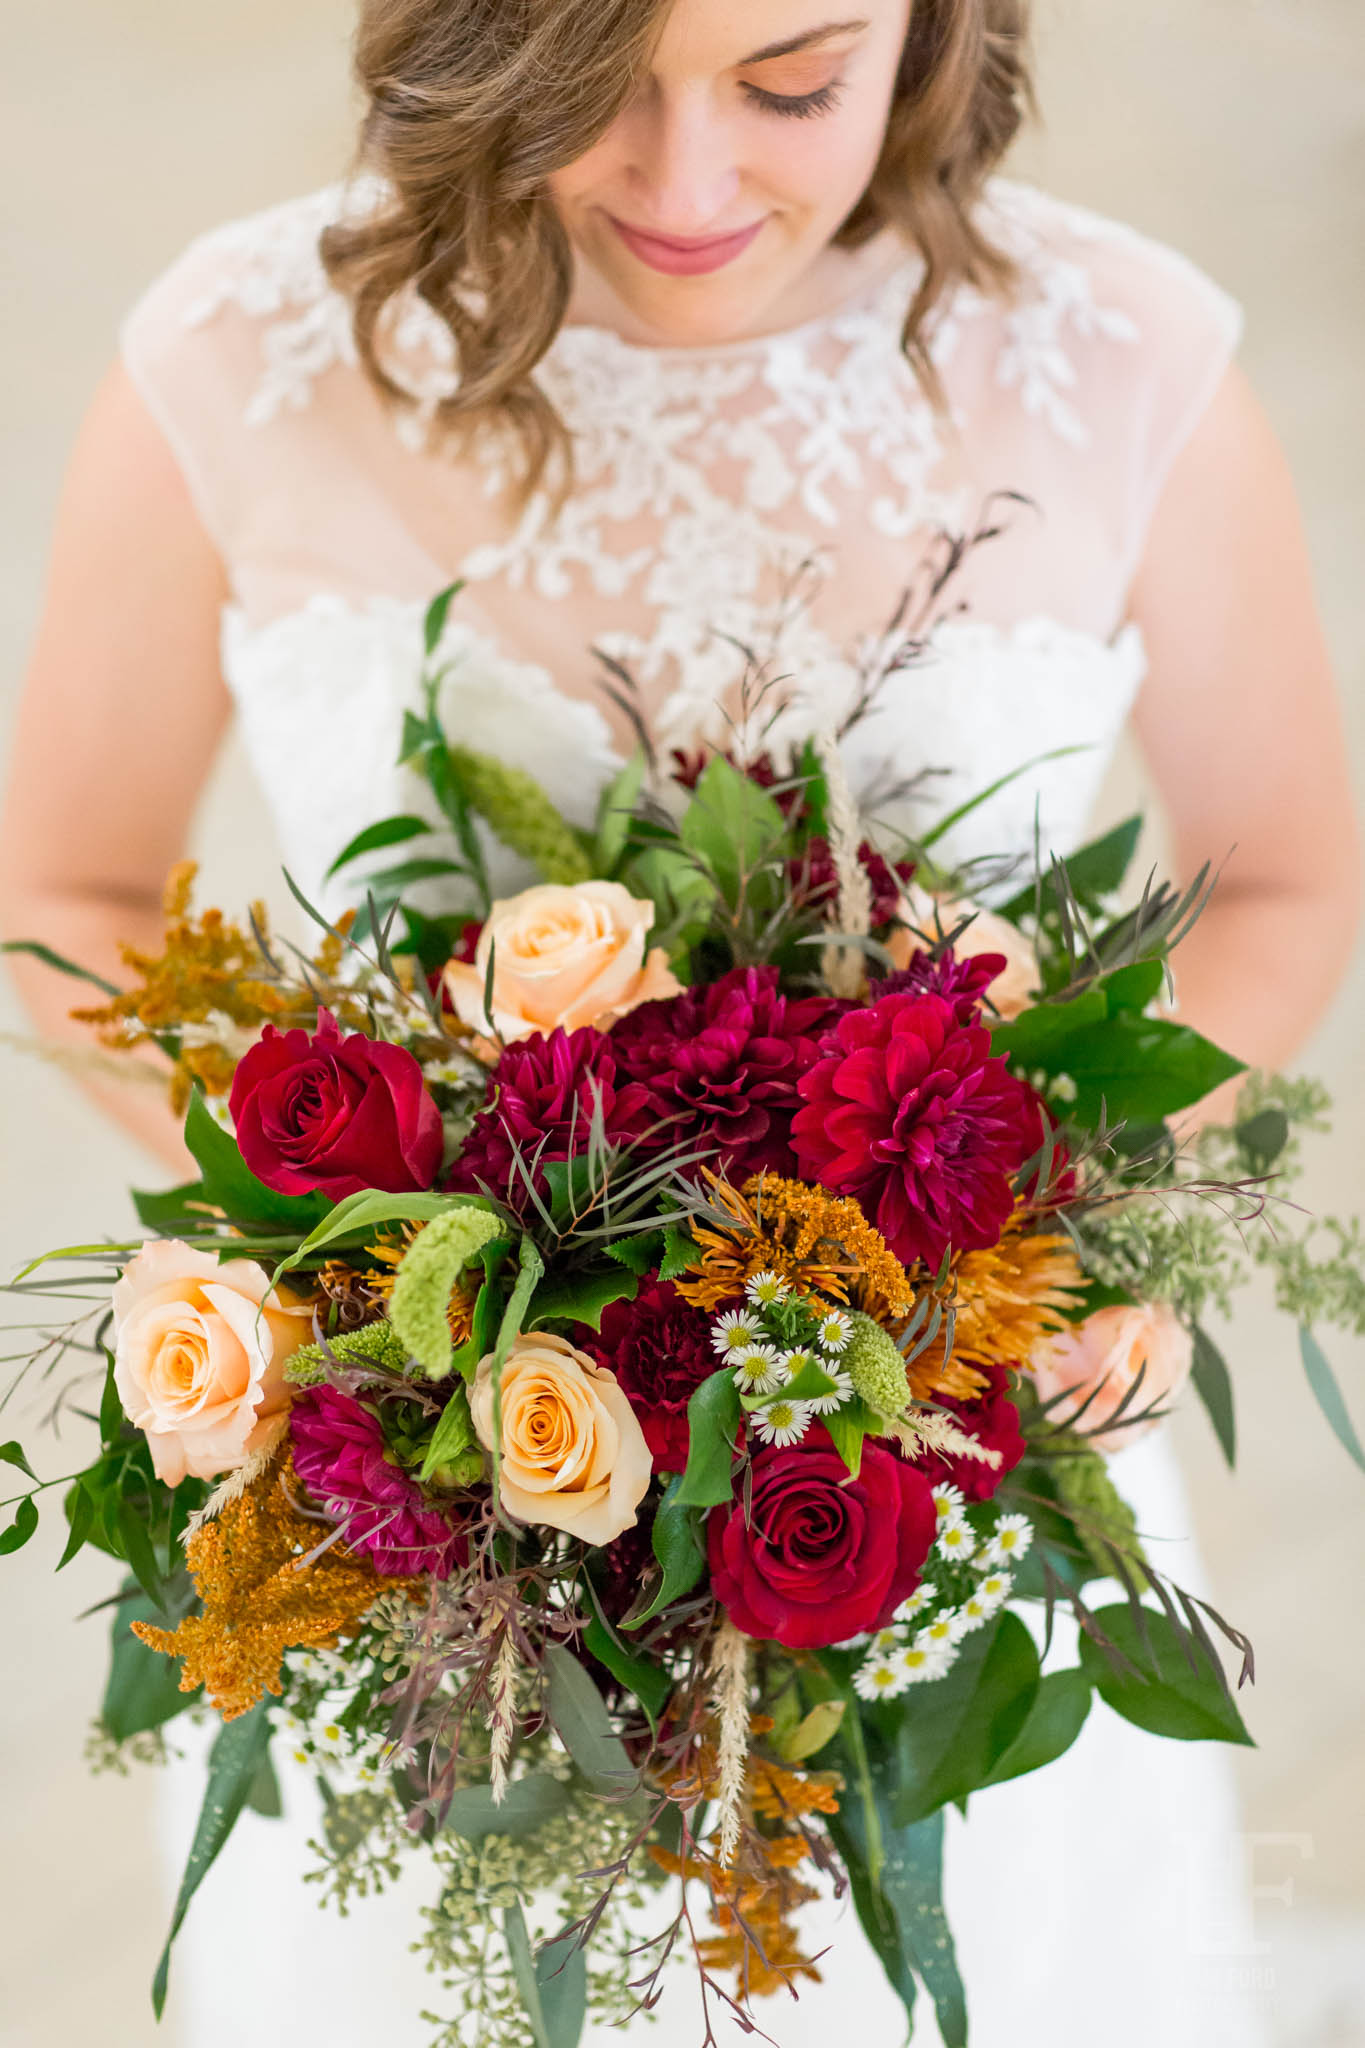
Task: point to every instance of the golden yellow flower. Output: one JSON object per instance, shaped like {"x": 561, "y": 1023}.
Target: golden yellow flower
{"x": 1006, "y": 1303}
{"x": 822, "y": 1243}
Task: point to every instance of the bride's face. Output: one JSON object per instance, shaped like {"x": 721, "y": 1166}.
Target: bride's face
{"x": 706, "y": 211}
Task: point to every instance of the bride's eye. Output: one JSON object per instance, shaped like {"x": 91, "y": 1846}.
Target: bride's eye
{"x": 797, "y": 106}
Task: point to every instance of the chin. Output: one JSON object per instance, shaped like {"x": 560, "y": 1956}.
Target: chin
{"x": 699, "y": 312}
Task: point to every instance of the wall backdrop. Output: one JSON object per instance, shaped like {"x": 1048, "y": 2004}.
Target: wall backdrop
{"x": 1232, "y": 128}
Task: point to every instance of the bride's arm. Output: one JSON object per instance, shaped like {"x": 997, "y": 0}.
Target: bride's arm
{"x": 1240, "y": 726}
{"x": 123, "y": 709}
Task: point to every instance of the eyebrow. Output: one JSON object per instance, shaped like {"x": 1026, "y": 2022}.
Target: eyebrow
{"x": 808, "y": 41}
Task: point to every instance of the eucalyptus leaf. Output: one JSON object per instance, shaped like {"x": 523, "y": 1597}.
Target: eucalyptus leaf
{"x": 579, "y": 1716}
{"x": 1328, "y": 1395}
{"x": 530, "y": 1802}
{"x": 1213, "y": 1384}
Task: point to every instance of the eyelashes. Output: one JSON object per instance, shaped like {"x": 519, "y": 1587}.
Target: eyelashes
{"x": 797, "y": 107}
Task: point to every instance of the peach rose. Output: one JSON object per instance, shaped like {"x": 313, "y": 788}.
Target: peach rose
{"x": 573, "y": 1455}
{"x": 199, "y": 1355}
{"x": 562, "y": 956}
{"x": 1105, "y": 1353}
{"x": 1012, "y": 989}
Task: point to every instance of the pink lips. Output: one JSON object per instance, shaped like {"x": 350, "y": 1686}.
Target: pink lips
{"x": 677, "y": 258}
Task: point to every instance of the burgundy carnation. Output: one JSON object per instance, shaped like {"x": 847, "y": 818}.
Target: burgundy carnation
{"x": 660, "y": 1351}
{"x": 815, "y": 879}
{"x": 992, "y": 1418}
{"x": 908, "y": 1112}
{"x": 336, "y": 1114}
{"x": 819, "y": 1557}
{"x": 722, "y": 1064}
{"x": 543, "y": 1094}
{"x": 341, "y": 1457}
{"x": 959, "y": 979}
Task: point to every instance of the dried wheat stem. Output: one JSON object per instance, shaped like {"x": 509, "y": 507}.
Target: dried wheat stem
{"x": 729, "y": 1672}
{"x": 502, "y": 1704}
{"x": 843, "y": 965}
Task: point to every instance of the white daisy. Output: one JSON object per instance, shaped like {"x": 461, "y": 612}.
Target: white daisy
{"x": 977, "y": 1609}
{"x": 994, "y": 1587}
{"x": 758, "y": 1369}
{"x": 793, "y": 1360}
{"x": 881, "y": 1678}
{"x": 1012, "y": 1537}
{"x": 942, "y": 1632}
{"x": 948, "y": 1500}
{"x": 783, "y": 1422}
{"x": 922, "y": 1662}
{"x": 916, "y": 1603}
{"x": 956, "y": 1539}
{"x": 766, "y": 1289}
{"x": 735, "y": 1331}
{"x": 835, "y": 1330}
{"x": 885, "y": 1641}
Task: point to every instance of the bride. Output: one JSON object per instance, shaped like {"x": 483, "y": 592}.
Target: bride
{"x": 670, "y": 328}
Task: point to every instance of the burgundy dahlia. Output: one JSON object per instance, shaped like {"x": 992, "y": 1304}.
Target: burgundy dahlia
{"x": 992, "y": 1418}
{"x": 908, "y": 1112}
{"x": 341, "y": 1457}
{"x": 815, "y": 879}
{"x": 660, "y": 1351}
{"x": 960, "y": 980}
{"x": 544, "y": 1092}
{"x": 722, "y": 1064}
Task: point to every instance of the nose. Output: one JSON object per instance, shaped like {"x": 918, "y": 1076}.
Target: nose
{"x": 682, "y": 162}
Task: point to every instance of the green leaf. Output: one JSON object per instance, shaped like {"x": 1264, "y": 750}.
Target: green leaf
{"x": 1093, "y": 871}
{"x": 712, "y": 1422}
{"x": 650, "y": 1685}
{"x": 678, "y": 1550}
{"x": 813, "y": 1731}
{"x": 263, "y": 1796}
{"x": 1055, "y": 1720}
{"x": 680, "y": 1253}
{"x": 553, "y": 1984}
{"x": 1262, "y": 1138}
{"x": 1138, "y": 1069}
{"x": 530, "y": 1803}
{"x": 1161, "y": 1692}
{"x": 1213, "y": 1384}
{"x": 438, "y": 611}
{"x": 639, "y": 1253}
{"x": 12, "y": 1454}
{"x": 1133, "y": 987}
{"x": 374, "y": 839}
{"x": 233, "y": 1763}
{"x": 387, "y": 883}
{"x": 733, "y": 825}
{"x": 22, "y": 1529}
{"x": 809, "y": 1383}
{"x": 143, "y": 1687}
{"x": 985, "y": 1723}
{"x": 1328, "y": 1395}
{"x": 614, "y": 811}
{"x": 982, "y": 796}
{"x": 173, "y": 1212}
{"x": 111, "y": 1408}
{"x": 581, "y": 1297}
{"x": 357, "y": 1215}
{"x": 1036, "y": 1036}
{"x": 454, "y": 1433}
{"x": 229, "y": 1181}
{"x": 580, "y": 1719}
{"x": 848, "y": 1428}
{"x": 80, "y": 1514}
{"x": 137, "y": 1549}
{"x": 37, "y": 951}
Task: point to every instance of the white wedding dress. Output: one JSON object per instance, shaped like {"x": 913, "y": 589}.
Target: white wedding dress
{"x": 778, "y": 494}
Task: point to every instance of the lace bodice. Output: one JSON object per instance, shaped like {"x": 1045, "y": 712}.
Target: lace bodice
{"x": 776, "y": 495}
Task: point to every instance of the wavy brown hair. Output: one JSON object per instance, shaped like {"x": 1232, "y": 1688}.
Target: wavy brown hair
{"x": 472, "y": 104}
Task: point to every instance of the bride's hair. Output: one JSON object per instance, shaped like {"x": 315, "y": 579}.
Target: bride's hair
{"x": 472, "y": 104}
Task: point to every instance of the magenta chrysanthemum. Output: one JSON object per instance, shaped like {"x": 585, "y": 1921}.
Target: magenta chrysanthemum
{"x": 908, "y": 1112}
{"x": 959, "y": 979}
{"x": 722, "y": 1064}
{"x": 543, "y": 1095}
{"x": 341, "y": 1457}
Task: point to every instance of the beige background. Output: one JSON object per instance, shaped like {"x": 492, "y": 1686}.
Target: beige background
{"x": 1233, "y": 128}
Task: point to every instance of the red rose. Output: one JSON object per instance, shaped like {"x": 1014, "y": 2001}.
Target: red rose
{"x": 335, "y": 1114}
{"x": 821, "y": 1556}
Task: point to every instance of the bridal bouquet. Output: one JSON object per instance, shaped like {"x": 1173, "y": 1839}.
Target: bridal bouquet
{"x": 631, "y": 1384}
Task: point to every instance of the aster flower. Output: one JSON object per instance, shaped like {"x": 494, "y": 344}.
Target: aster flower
{"x": 923, "y": 1662}
{"x": 721, "y": 1063}
{"x": 545, "y": 1093}
{"x": 917, "y": 1602}
{"x": 949, "y": 1502}
{"x": 881, "y": 1677}
{"x": 783, "y": 1422}
{"x": 1012, "y": 1536}
{"x": 834, "y": 1330}
{"x": 734, "y": 1331}
{"x": 908, "y": 1111}
{"x": 340, "y": 1455}
{"x": 758, "y": 1369}
{"x": 767, "y": 1289}
{"x": 660, "y": 1351}
{"x": 957, "y": 1540}
{"x": 841, "y": 1391}
{"x": 994, "y": 1586}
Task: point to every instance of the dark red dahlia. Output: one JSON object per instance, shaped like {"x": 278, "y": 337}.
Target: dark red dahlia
{"x": 723, "y": 1063}
{"x": 814, "y": 878}
{"x": 992, "y": 1418}
{"x": 908, "y": 1112}
{"x": 690, "y": 765}
{"x": 341, "y": 1457}
{"x": 960, "y": 981}
{"x": 542, "y": 1096}
{"x": 660, "y": 1351}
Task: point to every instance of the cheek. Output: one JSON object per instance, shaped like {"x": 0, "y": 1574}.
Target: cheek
{"x": 587, "y": 174}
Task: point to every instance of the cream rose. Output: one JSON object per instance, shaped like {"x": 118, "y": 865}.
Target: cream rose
{"x": 1012, "y": 989}
{"x": 561, "y": 957}
{"x": 573, "y": 1455}
{"x": 1104, "y": 1355}
{"x": 199, "y": 1355}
